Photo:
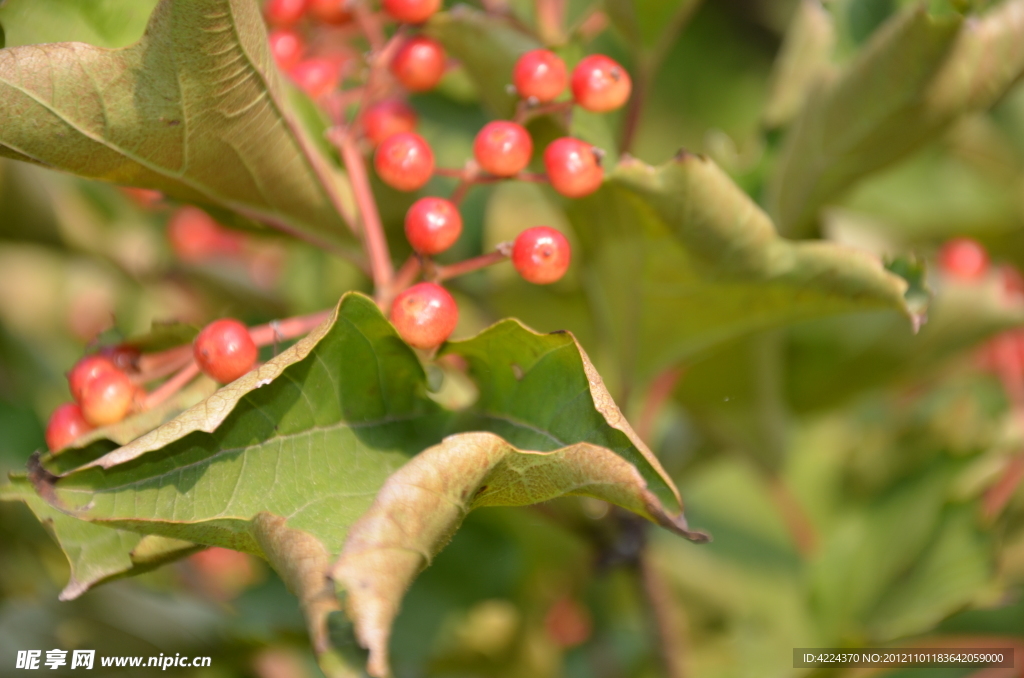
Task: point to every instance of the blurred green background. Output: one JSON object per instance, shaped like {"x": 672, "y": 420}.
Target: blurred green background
{"x": 887, "y": 443}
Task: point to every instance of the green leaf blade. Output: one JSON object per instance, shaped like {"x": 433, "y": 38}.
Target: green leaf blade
{"x": 194, "y": 109}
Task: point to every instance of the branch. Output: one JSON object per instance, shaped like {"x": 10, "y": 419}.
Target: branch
{"x": 660, "y": 391}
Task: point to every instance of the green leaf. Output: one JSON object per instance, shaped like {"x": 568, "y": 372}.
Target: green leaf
{"x": 917, "y": 74}
{"x": 802, "y": 61}
{"x": 195, "y": 109}
{"x": 421, "y": 506}
{"x": 487, "y": 47}
{"x": 832, "y": 359}
{"x": 283, "y": 461}
{"x": 680, "y": 260}
{"x": 96, "y": 554}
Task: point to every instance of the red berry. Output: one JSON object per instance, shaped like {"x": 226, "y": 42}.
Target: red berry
{"x": 503, "y": 148}
{"x": 418, "y": 64}
{"x": 573, "y": 166}
{"x": 963, "y": 258}
{"x": 85, "y": 370}
{"x": 334, "y": 12}
{"x": 425, "y": 315}
{"x": 65, "y": 426}
{"x": 541, "y": 255}
{"x": 404, "y": 161}
{"x": 1012, "y": 282}
{"x": 539, "y": 74}
{"x": 411, "y": 11}
{"x": 143, "y": 197}
{"x": 432, "y": 225}
{"x": 284, "y": 12}
{"x": 286, "y": 47}
{"x": 600, "y": 84}
{"x": 107, "y": 398}
{"x": 224, "y": 350}
{"x": 316, "y": 77}
{"x": 196, "y": 236}
{"x": 387, "y": 118}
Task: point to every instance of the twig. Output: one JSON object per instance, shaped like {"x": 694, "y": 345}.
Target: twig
{"x": 501, "y": 253}
{"x": 373, "y": 230}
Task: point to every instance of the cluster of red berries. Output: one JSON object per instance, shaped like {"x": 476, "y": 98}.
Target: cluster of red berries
{"x": 426, "y": 314}
{"x": 106, "y": 389}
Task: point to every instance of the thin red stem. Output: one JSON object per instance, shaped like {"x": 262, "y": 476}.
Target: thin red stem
{"x": 797, "y": 522}
{"x": 289, "y": 328}
{"x": 550, "y": 19}
{"x": 171, "y": 386}
{"x": 373, "y": 230}
{"x": 153, "y": 366}
{"x": 660, "y": 391}
{"x": 450, "y": 271}
{"x": 370, "y": 24}
{"x": 407, "y": 273}
{"x": 526, "y": 112}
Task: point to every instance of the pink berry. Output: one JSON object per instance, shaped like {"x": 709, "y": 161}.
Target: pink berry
{"x": 316, "y": 76}
{"x": 224, "y": 350}
{"x": 85, "y": 370}
{"x": 600, "y": 84}
{"x": 424, "y": 315}
{"x": 286, "y": 47}
{"x": 432, "y": 225}
{"x": 284, "y": 12}
{"x": 107, "y": 398}
{"x": 332, "y": 12}
{"x": 404, "y": 161}
{"x": 539, "y": 74}
{"x": 541, "y": 255}
{"x": 963, "y": 258}
{"x": 573, "y": 167}
{"x": 503, "y": 148}
{"x": 411, "y": 11}
{"x": 418, "y": 64}
{"x": 65, "y": 426}
{"x": 387, "y": 118}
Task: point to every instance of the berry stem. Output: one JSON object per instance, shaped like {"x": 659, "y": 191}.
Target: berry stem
{"x": 172, "y": 385}
{"x": 526, "y": 112}
{"x": 370, "y": 24}
{"x": 501, "y": 253}
{"x": 159, "y": 365}
{"x": 289, "y": 328}
{"x": 407, "y": 273}
{"x": 373, "y": 230}
{"x": 550, "y": 19}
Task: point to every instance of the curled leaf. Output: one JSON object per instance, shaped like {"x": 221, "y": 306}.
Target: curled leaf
{"x": 420, "y": 507}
